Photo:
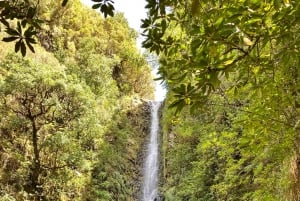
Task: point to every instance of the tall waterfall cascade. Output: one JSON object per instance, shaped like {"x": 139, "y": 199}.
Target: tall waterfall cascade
{"x": 151, "y": 167}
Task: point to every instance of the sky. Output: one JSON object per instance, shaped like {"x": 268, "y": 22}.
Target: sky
{"x": 134, "y": 11}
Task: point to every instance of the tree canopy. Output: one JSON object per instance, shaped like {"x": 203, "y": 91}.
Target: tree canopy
{"x": 232, "y": 71}
{"x": 72, "y": 121}
{"x": 202, "y": 42}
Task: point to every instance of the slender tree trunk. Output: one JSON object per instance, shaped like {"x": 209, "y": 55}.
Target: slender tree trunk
{"x": 295, "y": 162}
{"x": 36, "y": 168}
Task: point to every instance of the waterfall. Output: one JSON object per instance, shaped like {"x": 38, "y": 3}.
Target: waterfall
{"x": 150, "y": 185}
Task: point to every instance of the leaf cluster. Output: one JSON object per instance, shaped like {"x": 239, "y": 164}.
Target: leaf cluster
{"x": 26, "y": 13}
{"x": 201, "y": 46}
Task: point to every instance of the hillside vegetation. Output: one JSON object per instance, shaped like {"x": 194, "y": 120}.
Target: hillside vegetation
{"x": 72, "y": 117}
{"x": 232, "y": 70}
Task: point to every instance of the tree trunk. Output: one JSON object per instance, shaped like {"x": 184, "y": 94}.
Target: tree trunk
{"x": 36, "y": 189}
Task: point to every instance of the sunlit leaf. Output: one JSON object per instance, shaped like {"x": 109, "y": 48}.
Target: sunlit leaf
{"x": 228, "y": 62}
{"x": 247, "y": 41}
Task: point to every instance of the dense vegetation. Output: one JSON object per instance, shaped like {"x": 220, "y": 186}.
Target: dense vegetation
{"x": 232, "y": 70}
{"x": 72, "y": 120}
{"x": 69, "y": 129}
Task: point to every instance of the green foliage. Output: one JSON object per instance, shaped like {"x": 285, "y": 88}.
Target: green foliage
{"x": 41, "y": 109}
{"x": 27, "y": 13}
{"x": 18, "y": 35}
{"x": 115, "y": 176}
{"x": 69, "y": 128}
{"x": 234, "y": 149}
{"x": 109, "y": 50}
{"x": 200, "y": 46}
{"x": 232, "y": 70}
{"x": 238, "y": 144}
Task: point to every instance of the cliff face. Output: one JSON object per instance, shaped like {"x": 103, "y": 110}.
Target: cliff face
{"x": 139, "y": 117}
{"x": 118, "y": 173}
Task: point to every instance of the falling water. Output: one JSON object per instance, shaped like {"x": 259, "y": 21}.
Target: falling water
{"x": 150, "y": 189}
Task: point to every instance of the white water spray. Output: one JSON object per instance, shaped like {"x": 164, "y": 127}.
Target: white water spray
{"x": 150, "y": 185}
